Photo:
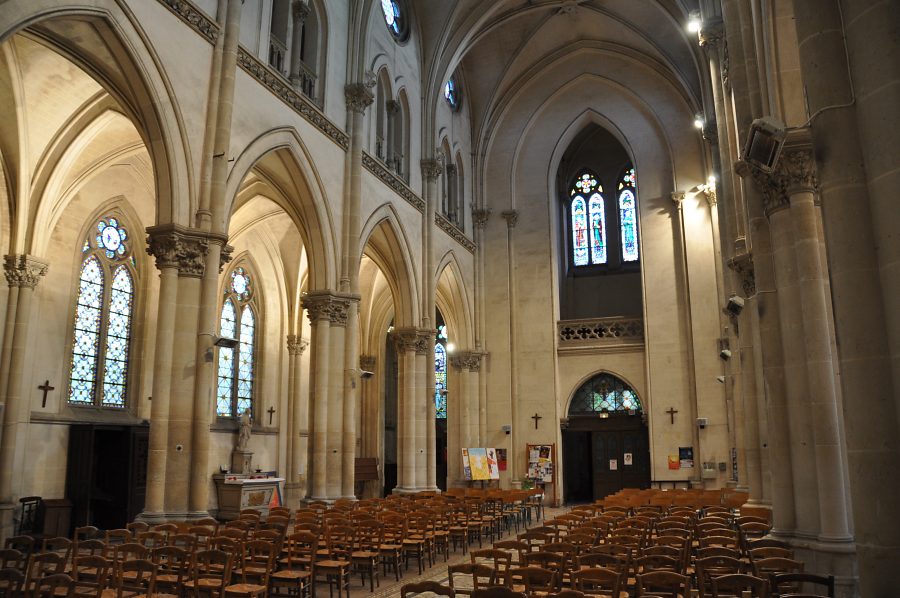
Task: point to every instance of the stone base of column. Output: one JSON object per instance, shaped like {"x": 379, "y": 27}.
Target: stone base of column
{"x": 167, "y": 516}
{"x": 757, "y": 509}
{"x": 402, "y": 490}
{"x": 151, "y": 517}
{"x": 831, "y": 558}
{"x": 294, "y": 493}
{"x": 7, "y": 521}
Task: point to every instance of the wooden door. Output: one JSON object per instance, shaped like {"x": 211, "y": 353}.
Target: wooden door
{"x": 620, "y": 459}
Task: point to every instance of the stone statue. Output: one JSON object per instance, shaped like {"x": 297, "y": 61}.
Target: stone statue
{"x": 243, "y": 431}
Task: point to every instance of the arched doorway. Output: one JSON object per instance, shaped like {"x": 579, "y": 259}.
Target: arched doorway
{"x": 605, "y": 427}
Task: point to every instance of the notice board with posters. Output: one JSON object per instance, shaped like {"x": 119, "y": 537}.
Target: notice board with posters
{"x": 541, "y": 460}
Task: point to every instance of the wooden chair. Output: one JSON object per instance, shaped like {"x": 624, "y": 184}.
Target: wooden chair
{"x": 366, "y": 558}
{"x": 210, "y": 574}
{"x": 202, "y": 533}
{"x": 295, "y": 578}
{"x": 391, "y": 548}
{"x": 715, "y": 566}
{"x": 11, "y": 581}
{"x": 186, "y": 542}
{"x": 738, "y": 583}
{"x": 127, "y": 552}
{"x": 497, "y": 592}
{"x": 782, "y": 582}
{"x": 465, "y": 578}
{"x": 775, "y": 565}
{"x": 550, "y": 561}
{"x": 426, "y": 587}
{"x": 10, "y": 558}
{"x": 533, "y": 580}
{"x": 333, "y": 563}
{"x": 173, "y": 568}
{"x": 90, "y": 575}
{"x": 498, "y": 560}
{"x": 136, "y": 527}
{"x": 114, "y": 537}
{"x": 169, "y": 529}
{"x": 597, "y": 581}
{"x": 24, "y": 544}
{"x": 42, "y": 565}
{"x": 258, "y": 563}
{"x": 568, "y": 594}
{"x": 516, "y": 549}
{"x": 58, "y": 585}
{"x": 152, "y": 540}
{"x": 59, "y": 545}
{"x": 136, "y": 579}
{"x": 658, "y": 562}
{"x": 663, "y": 583}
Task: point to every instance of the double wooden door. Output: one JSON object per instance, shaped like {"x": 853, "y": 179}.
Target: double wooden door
{"x": 617, "y": 450}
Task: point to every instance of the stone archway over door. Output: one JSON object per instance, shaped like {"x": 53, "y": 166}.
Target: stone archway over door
{"x": 605, "y": 428}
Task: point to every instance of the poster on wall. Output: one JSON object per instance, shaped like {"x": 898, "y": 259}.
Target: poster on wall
{"x": 674, "y": 462}
{"x": 493, "y": 468}
{"x": 686, "y": 456}
{"x": 628, "y": 459}
{"x": 501, "y": 459}
{"x": 478, "y": 463}
{"x": 467, "y": 471}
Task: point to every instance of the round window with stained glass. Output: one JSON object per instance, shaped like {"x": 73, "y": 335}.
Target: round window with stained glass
{"x": 240, "y": 283}
{"x": 394, "y": 18}
{"x": 451, "y": 93}
{"x": 111, "y": 238}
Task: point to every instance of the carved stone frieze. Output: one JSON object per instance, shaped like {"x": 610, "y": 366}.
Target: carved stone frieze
{"x": 480, "y": 216}
{"x": 23, "y": 270}
{"x": 601, "y": 330}
{"x": 511, "y": 217}
{"x": 296, "y": 344}
{"x": 393, "y": 181}
{"x": 798, "y": 167}
{"x": 367, "y": 362}
{"x": 725, "y": 66}
{"x": 324, "y": 305}
{"x": 470, "y": 360}
{"x": 194, "y": 17}
{"x": 742, "y": 265}
{"x": 358, "y": 97}
{"x": 284, "y": 90}
{"x": 451, "y": 229}
{"x": 432, "y": 168}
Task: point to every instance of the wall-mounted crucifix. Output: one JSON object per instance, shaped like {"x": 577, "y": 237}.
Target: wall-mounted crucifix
{"x": 46, "y": 388}
{"x": 672, "y": 411}
{"x": 536, "y": 417}
{"x": 271, "y": 412}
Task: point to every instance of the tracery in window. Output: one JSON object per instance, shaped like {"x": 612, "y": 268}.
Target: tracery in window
{"x": 394, "y": 18}
{"x": 103, "y": 318}
{"x": 604, "y": 393}
{"x": 440, "y": 373}
{"x": 236, "y": 365}
{"x": 451, "y": 93}
{"x": 628, "y": 215}
{"x": 588, "y": 221}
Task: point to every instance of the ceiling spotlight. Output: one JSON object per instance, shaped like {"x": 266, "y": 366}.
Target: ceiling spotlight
{"x": 699, "y": 121}
{"x": 451, "y": 347}
{"x": 694, "y": 23}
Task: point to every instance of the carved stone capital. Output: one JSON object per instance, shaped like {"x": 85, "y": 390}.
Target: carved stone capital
{"x": 393, "y": 107}
{"x": 742, "y": 265}
{"x": 296, "y": 344}
{"x": 511, "y": 217}
{"x": 798, "y": 167}
{"x": 324, "y": 305}
{"x": 425, "y": 341}
{"x": 176, "y": 246}
{"x": 225, "y": 256}
{"x": 451, "y": 169}
{"x": 480, "y": 216}
{"x": 23, "y": 270}
{"x": 470, "y": 360}
{"x": 677, "y": 198}
{"x": 358, "y": 97}
{"x": 432, "y": 169}
{"x": 367, "y": 362}
{"x": 405, "y": 339}
{"x": 300, "y": 10}
{"x": 711, "y": 34}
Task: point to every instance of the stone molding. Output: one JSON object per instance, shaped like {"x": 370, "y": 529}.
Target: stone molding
{"x": 325, "y": 305}
{"x": 431, "y": 168}
{"x": 600, "y": 330}
{"x": 358, "y": 97}
{"x": 511, "y": 217}
{"x": 367, "y": 362}
{"x": 393, "y": 181}
{"x": 470, "y": 360}
{"x": 284, "y": 90}
{"x": 194, "y": 17}
{"x": 23, "y": 270}
{"x": 742, "y": 264}
{"x": 176, "y": 246}
{"x": 454, "y": 231}
{"x": 480, "y": 216}
{"x": 296, "y": 344}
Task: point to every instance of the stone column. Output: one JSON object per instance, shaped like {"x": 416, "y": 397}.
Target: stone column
{"x": 371, "y": 418}
{"x": 164, "y": 243}
{"x": 480, "y": 218}
{"x": 431, "y": 170}
{"x": 191, "y": 257}
{"x": 351, "y": 398}
{"x": 299, "y": 13}
{"x": 767, "y": 319}
{"x": 317, "y": 305}
{"x": 406, "y": 340}
{"x": 425, "y": 366}
{"x": 336, "y": 382}
{"x": 797, "y": 167}
{"x": 463, "y": 412}
{"x": 512, "y": 217}
{"x": 23, "y": 272}
{"x": 298, "y": 422}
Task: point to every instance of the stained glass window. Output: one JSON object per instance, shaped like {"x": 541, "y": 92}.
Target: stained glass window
{"x": 588, "y": 221}
{"x": 394, "y": 18}
{"x": 440, "y": 380}
{"x": 103, "y": 314}
{"x": 603, "y": 394}
{"x": 235, "y": 371}
{"x": 628, "y": 215}
{"x": 451, "y": 93}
